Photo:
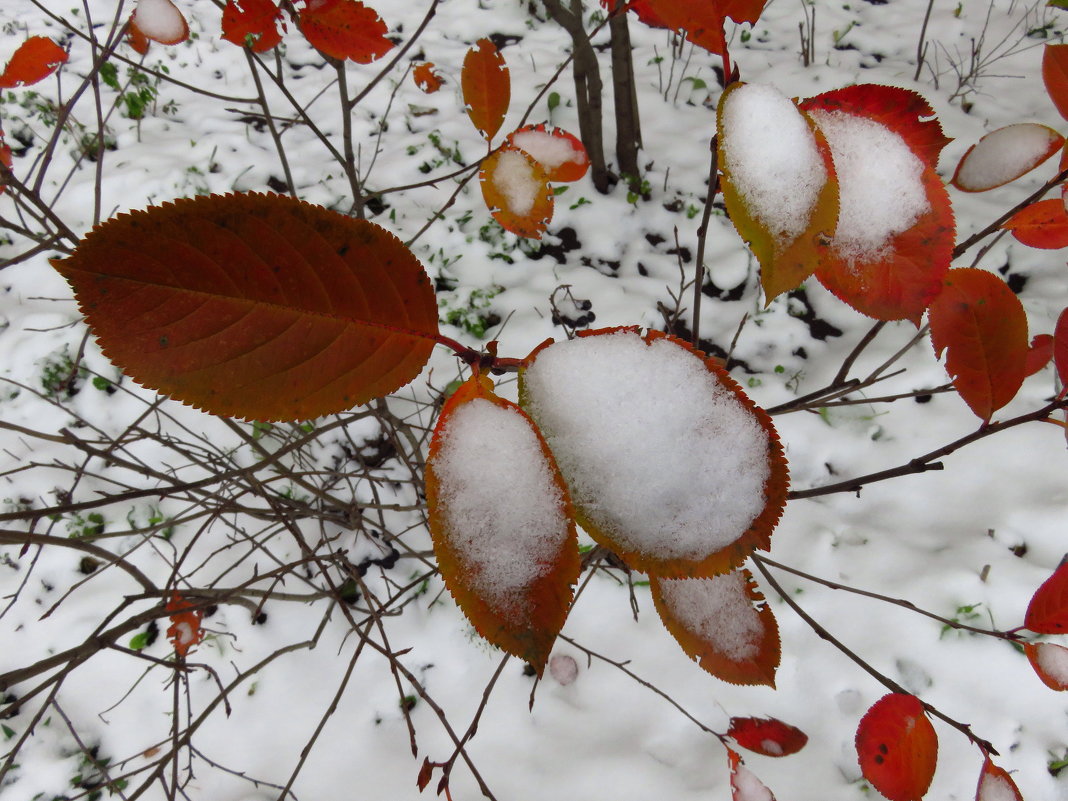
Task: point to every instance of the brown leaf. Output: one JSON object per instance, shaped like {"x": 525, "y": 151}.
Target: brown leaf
{"x": 486, "y": 86}
{"x": 517, "y": 192}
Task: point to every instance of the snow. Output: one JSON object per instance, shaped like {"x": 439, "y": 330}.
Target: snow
{"x": 1004, "y": 155}
{"x": 996, "y": 788}
{"x": 878, "y": 197}
{"x": 690, "y": 484}
{"x": 719, "y": 611}
{"x": 515, "y": 179}
{"x": 1053, "y": 660}
{"x": 548, "y": 150}
{"x": 501, "y": 506}
{"x": 749, "y": 787}
{"x": 770, "y": 154}
{"x": 160, "y": 20}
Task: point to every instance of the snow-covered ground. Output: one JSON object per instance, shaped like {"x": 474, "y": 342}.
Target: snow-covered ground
{"x": 970, "y": 542}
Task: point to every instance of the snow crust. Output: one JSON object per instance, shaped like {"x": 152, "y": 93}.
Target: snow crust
{"x": 995, "y": 788}
{"x": 880, "y": 180}
{"x": 160, "y": 20}
{"x": 771, "y": 155}
{"x": 499, "y": 502}
{"x": 1053, "y": 659}
{"x": 719, "y": 611}
{"x": 548, "y": 150}
{"x": 1004, "y": 155}
{"x": 693, "y": 480}
{"x": 749, "y": 787}
{"x": 514, "y": 178}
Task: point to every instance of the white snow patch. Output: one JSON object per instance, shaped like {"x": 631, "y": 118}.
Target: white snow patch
{"x": 880, "y": 182}
{"x": 658, "y": 453}
{"x": 514, "y": 178}
{"x": 771, "y": 747}
{"x": 748, "y": 787}
{"x": 498, "y": 500}
{"x": 718, "y": 610}
{"x": 548, "y": 150}
{"x": 1004, "y": 155}
{"x": 995, "y": 788}
{"x": 771, "y": 155}
{"x": 160, "y": 20}
{"x": 1053, "y": 659}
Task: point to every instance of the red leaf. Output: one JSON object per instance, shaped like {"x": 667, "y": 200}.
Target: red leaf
{"x": 345, "y": 29}
{"x": 256, "y": 306}
{"x": 767, "y": 736}
{"x": 702, "y": 22}
{"x": 36, "y": 59}
{"x": 252, "y": 21}
{"x": 1048, "y": 611}
{"x": 1043, "y": 224}
{"x": 426, "y": 772}
{"x": 1004, "y": 155}
{"x": 745, "y": 786}
{"x": 502, "y": 522}
{"x": 897, "y": 747}
{"x": 160, "y": 21}
{"x": 995, "y": 784}
{"x": 184, "y": 631}
{"x": 559, "y": 153}
{"x": 137, "y": 39}
{"x": 427, "y": 78}
{"x": 1055, "y": 75}
{"x": 1050, "y": 663}
{"x": 1060, "y": 347}
{"x": 5, "y": 159}
{"x": 486, "y": 86}
{"x": 641, "y": 8}
{"x": 723, "y": 624}
{"x": 1039, "y": 354}
{"x": 517, "y": 193}
{"x": 983, "y": 327}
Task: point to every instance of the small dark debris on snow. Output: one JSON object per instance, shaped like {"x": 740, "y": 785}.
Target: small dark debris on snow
{"x": 502, "y": 40}
{"x": 924, "y": 398}
{"x": 277, "y": 184}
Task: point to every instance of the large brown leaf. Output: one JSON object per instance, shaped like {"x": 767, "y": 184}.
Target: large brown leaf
{"x": 254, "y": 305}
{"x": 486, "y": 86}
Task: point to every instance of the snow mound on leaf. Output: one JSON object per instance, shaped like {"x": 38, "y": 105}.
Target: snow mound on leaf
{"x": 718, "y": 610}
{"x": 996, "y": 788}
{"x": 1004, "y": 155}
{"x": 498, "y": 499}
{"x": 880, "y": 182}
{"x": 160, "y": 20}
{"x": 771, "y": 155}
{"x": 1053, "y": 660}
{"x": 516, "y": 181}
{"x": 657, "y": 452}
{"x": 548, "y": 150}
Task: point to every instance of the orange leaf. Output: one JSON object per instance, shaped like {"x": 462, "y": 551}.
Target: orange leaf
{"x": 767, "y": 736}
{"x": 486, "y": 86}
{"x": 36, "y": 59}
{"x": 502, "y": 522}
{"x": 995, "y": 784}
{"x": 1004, "y": 155}
{"x": 160, "y": 21}
{"x": 345, "y": 29}
{"x": 1039, "y": 353}
{"x": 517, "y": 192}
{"x": 1048, "y": 611}
{"x": 897, "y": 747}
{"x": 584, "y": 392}
{"x": 184, "y": 631}
{"x": 1050, "y": 663}
{"x": 745, "y": 786}
{"x": 983, "y": 327}
{"x": 427, "y": 78}
{"x": 252, "y": 21}
{"x": 256, "y": 306}
{"x": 559, "y": 153}
{"x": 778, "y": 183}
{"x": 1055, "y": 75}
{"x": 1043, "y": 224}
{"x": 1060, "y": 347}
{"x": 137, "y": 39}
{"x": 723, "y": 623}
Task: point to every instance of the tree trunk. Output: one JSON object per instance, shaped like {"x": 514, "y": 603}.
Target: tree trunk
{"x": 628, "y": 125}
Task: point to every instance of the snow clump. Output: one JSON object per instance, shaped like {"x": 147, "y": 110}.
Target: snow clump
{"x": 717, "y": 610}
{"x": 1004, "y": 155}
{"x": 548, "y": 150}
{"x": 160, "y": 20}
{"x": 514, "y": 178}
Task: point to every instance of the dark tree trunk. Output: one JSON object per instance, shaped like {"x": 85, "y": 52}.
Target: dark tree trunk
{"x": 628, "y": 126}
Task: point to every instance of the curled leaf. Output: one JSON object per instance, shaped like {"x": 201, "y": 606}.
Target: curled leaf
{"x": 255, "y": 306}
{"x": 1055, "y": 75}
{"x": 36, "y": 59}
{"x": 897, "y": 747}
{"x": 767, "y": 736}
{"x": 502, "y": 522}
{"x": 1047, "y": 613}
{"x": 745, "y": 786}
{"x": 184, "y": 631}
{"x": 517, "y": 192}
{"x": 486, "y": 86}
{"x": 1004, "y": 155}
{"x": 1050, "y": 662}
{"x": 160, "y": 21}
{"x": 345, "y": 29}
{"x": 995, "y": 784}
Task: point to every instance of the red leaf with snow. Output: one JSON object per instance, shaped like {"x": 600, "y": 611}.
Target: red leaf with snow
{"x": 982, "y": 327}
{"x": 767, "y": 736}
{"x": 426, "y": 78}
{"x": 184, "y": 631}
{"x": 1055, "y": 75}
{"x": 995, "y": 784}
{"x": 559, "y": 153}
{"x": 517, "y": 192}
{"x": 1039, "y": 353}
{"x": 36, "y": 59}
{"x": 1043, "y": 224}
{"x": 502, "y": 522}
{"x": 345, "y": 29}
{"x": 253, "y": 22}
{"x": 160, "y": 21}
{"x": 1048, "y": 611}
{"x": 136, "y": 39}
{"x": 745, "y": 786}
{"x": 487, "y": 87}
{"x": 1050, "y": 663}
{"x": 897, "y": 747}
{"x": 723, "y": 623}
{"x": 1060, "y": 347}
{"x": 1004, "y": 155}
